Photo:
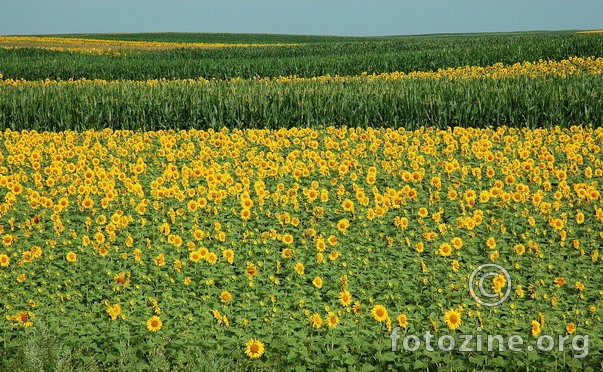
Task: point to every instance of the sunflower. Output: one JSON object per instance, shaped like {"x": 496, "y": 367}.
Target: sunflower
{"x": 198, "y": 234}
{"x": 345, "y": 298}
{"x": 332, "y": 240}
{"x": 225, "y": 296}
{"x": 491, "y": 243}
{"x": 99, "y": 237}
{"x": 402, "y": 320}
{"x": 160, "y": 260}
{"x": 299, "y": 268}
{"x": 114, "y": 311}
{"x": 343, "y": 225}
{"x": 154, "y": 323}
{"x": 246, "y": 203}
{"x": 121, "y": 278}
{"x": 332, "y": 320}
{"x": 287, "y": 239}
{"x": 317, "y": 282}
{"x": 423, "y": 212}
{"x": 452, "y": 319}
{"x": 348, "y": 205}
{"x": 320, "y": 244}
{"x": 420, "y": 247}
{"x": 212, "y": 258}
{"x": 71, "y": 256}
{"x": 192, "y": 206}
{"x": 251, "y": 270}
{"x": 457, "y": 242}
{"x": 494, "y": 256}
{"x": 245, "y": 214}
{"x": 315, "y": 321}
{"x": 287, "y": 253}
{"x": 520, "y": 249}
{"x": 379, "y": 313}
{"x": 535, "y": 328}
{"x": 103, "y": 251}
{"x": 137, "y": 255}
{"x": 570, "y": 327}
{"x": 254, "y": 348}
{"x": 445, "y": 249}
{"x": 557, "y": 224}
{"x": 88, "y": 203}
{"x": 195, "y": 256}
{"x": 229, "y": 255}
{"x": 455, "y": 266}
{"x": 217, "y": 315}
{"x": 4, "y": 260}
{"x": 498, "y": 282}
{"x": 22, "y": 316}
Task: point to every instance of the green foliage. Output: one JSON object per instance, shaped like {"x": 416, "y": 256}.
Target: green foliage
{"x": 410, "y": 103}
{"x": 374, "y": 55}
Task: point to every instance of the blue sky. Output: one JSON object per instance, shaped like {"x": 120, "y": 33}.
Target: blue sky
{"x": 316, "y": 17}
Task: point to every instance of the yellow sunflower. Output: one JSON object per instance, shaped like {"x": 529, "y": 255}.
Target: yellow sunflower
{"x": 445, "y": 249}
{"x": 345, "y": 298}
{"x": 317, "y": 282}
{"x": 402, "y": 320}
{"x": 452, "y": 318}
{"x": 154, "y": 323}
{"x": 315, "y": 321}
{"x": 254, "y": 348}
{"x": 71, "y": 257}
{"x": 4, "y": 260}
{"x": 535, "y": 328}
{"x": 379, "y": 313}
{"x": 332, "y": 320}
{"x": 225, "y": 296}
{"x": 299, "y": 268}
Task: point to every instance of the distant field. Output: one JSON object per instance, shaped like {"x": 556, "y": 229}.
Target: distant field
{"x": 349, "y": 57}
{"x": 181, "y": 37}
{"x": 120, "y": 61}
{"x": 112, "y": 47}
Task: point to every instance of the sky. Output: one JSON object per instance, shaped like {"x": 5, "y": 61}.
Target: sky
{"x": 309, "y": 17}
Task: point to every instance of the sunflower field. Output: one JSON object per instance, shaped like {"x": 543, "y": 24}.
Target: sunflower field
{"x": 207, "y": 223}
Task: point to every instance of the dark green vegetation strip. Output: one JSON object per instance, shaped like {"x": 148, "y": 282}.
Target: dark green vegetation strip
{"x": 349, "y": 57}
{"x": 409, "y": 103}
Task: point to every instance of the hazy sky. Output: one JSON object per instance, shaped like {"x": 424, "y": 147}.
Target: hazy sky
{"x": 318, "y": 17}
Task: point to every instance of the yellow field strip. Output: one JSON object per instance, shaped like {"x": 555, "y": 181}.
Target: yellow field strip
{"x": 107, "y": 46}
{"x": 563, "y": 68}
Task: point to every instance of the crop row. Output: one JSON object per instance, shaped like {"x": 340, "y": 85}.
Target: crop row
{"x": 404, "y": 54}
{"x": 411, "y": 103}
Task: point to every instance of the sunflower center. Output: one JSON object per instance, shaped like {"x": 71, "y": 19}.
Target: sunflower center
{"x": 254, "y": 348}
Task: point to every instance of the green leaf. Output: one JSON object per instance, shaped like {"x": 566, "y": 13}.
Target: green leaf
{"x": 419, "y": 364}
{"x": 367, "y": 367}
